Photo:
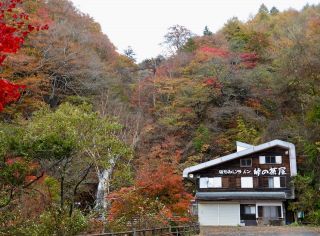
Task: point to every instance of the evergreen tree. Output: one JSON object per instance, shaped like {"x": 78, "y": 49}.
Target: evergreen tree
{"x": 274, "y": 11}
{"x": 206, "y": 31}
{"x": 130, "y": 53}
{"x": 263, "y": 9}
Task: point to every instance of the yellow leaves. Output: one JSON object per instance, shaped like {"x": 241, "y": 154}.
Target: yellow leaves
{"x": 148, "y": 128}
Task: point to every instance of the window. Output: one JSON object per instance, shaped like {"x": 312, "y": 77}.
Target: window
{"x": 206, "y": 182}
{"x": 203, "y": 182}
{"x": 276, "y": 182}
{"x": 194, "y": 209}
{"x": 215, "y": 182}
{"x": 270, "y": 212}
{"x": 246, "y": 182}
{"x": 246, "y": 162}
{"x": 250, "y": 210}
{"x": 270, "y": 159}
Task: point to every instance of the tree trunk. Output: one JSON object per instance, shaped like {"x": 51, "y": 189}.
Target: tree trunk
{"x": 102, "y": 191}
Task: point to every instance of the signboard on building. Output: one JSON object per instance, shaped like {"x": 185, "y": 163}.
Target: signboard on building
{"x": 256, "y": 171}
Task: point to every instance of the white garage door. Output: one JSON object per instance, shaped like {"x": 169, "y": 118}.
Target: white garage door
{"x": 219, "y": 214}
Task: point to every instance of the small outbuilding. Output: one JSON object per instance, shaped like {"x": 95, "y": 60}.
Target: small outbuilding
{"x": 249, "y": 187}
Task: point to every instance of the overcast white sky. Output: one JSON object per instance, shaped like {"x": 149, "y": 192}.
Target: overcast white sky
{"x": 142, "y": 23}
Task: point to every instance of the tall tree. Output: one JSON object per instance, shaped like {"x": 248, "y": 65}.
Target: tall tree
{"x": 274, "y": 11}
{"x": 206, "y": 31}
{"x": 130, "y": 53}
{"x": 177, "y": 37}
{"x": 263, "y": 9}
{"x": 68, "y": 144}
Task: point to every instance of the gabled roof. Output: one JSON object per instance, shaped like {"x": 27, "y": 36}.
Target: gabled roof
{"x": 250, "y": 149}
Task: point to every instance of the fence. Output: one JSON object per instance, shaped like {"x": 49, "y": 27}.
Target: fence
{"x": 187, "y": 230}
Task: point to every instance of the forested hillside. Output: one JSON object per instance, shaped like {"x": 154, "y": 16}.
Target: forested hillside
{"x": 92, "y": 141}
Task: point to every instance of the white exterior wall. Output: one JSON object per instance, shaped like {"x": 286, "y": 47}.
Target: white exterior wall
{"x": 214, "y": 213}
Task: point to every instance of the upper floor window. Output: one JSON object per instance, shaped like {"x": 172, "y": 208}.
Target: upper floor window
{"x": 246, "y": 162}
{"x": 270, "y": 159}
{"x": 246, "y": 182}
{"x": 214, "y": 182}
{"x": 276, "y": 182}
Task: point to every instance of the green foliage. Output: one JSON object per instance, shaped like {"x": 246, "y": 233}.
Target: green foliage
{"x": 53, "y": 187}
{"x": 206, "y": 31}
{"x": 274, "y": 11}
{"x": 314, "y": 114}
{"x": 73, "y": 131}
{"x": 56, "y": 222}
{"x": 201, "y": 138}
{"x": 308, "y": 186}
{"x": 190, "y": 46}
{"x": 263, "y": 9}
{"x": 245, "y": 132}
{"x": 66, "y": 144}
{"x": 236, "y": 35}
{"x": 123, "y": 176}
{"x": 307, "y": 198}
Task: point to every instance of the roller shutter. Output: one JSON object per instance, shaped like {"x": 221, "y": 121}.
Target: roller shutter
{"x": 211, "y": 214}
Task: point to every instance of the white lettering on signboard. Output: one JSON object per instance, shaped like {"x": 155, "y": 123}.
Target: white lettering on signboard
{"x": 273, "y": 171}
{"x": 282, "y": 171}
{"x": 256, "y": 171}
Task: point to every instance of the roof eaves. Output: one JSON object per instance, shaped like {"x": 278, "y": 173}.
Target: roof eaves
{"x": 253, "y": 149}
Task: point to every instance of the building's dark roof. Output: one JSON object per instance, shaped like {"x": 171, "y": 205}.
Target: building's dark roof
{"x": 241, "y": 195}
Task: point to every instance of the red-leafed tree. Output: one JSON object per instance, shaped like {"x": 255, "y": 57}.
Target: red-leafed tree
{"x": 249, "y": 60}
{"x": 158, "y": 195}
{"x": 9, "y": 92}
{"x": 14, "y": 28}
{"x": 217, "y": 52}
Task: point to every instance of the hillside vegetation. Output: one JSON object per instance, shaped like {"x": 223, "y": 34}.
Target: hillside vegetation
{"x": 91, "y": 141}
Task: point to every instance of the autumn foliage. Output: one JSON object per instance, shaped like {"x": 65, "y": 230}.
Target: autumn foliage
{"x": 158, "y": 195}
{"x": 218, "y": 52}
{"x": 249, "y": 60}
{"x": 14, "y": 28}
{"x": 9, "y": 92}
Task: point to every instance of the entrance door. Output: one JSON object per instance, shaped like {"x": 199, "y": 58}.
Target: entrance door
{"x": 248, "y": 214}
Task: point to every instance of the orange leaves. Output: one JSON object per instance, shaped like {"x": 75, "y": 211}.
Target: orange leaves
{"x": 158, "y": 191}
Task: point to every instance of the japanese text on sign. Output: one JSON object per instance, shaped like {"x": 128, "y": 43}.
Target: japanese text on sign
{"x": 256, "y": 171}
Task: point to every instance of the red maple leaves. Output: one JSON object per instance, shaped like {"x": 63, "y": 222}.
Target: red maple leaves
{"x": 14, "y": 28}
{"x": 218, "y": 52}
{"x": 249, "y": 60}
{"x": 213, "y": 82}
{"x": 9, "y": 92}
